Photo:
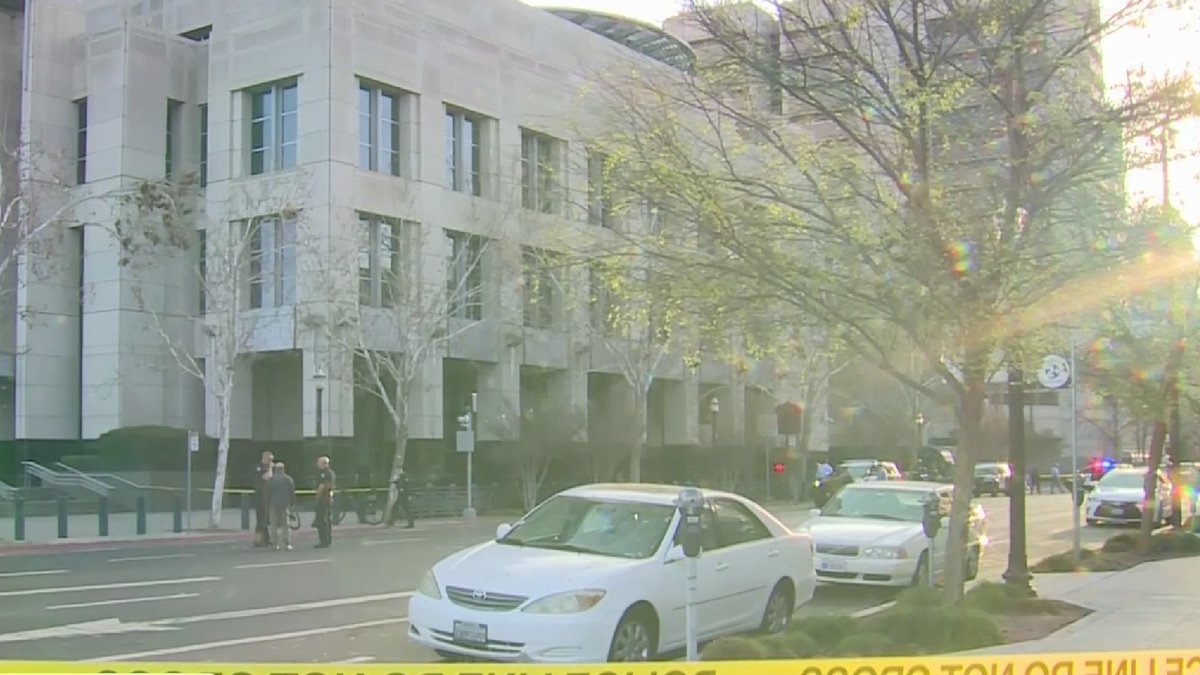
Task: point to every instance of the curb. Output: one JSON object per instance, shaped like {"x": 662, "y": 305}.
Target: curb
{"x": 16, "y": 548}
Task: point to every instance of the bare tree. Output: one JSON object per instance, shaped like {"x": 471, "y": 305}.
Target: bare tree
{"x": 928, "y": 173}
{"x": 546, "y": 427}
{"x": 240, "y": 266}
{"x": 419, "y": 289}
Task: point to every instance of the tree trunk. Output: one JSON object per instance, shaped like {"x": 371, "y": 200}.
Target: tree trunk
{"x": 970, "y": 414}
{"x": 225, "y": 420}
{"x": 638, "y": 444}
{"x": 399, "y": 452}
{"x": 1158, "y": 440}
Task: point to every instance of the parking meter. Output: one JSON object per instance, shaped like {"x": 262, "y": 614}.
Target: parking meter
{"x": 691, "y": 507}
{"x": 931, "y": 520}
{"x": 690, "y": 504}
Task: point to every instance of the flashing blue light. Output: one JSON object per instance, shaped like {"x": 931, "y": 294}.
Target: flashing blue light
{"x": 1108, "y": 463}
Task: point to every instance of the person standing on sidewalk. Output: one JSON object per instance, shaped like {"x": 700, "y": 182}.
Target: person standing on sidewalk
{"x": 402, "y": 501}
{"x": 326, "y": 482}
{"x": 281, "y": 497}
{"x": 262, "y": 525}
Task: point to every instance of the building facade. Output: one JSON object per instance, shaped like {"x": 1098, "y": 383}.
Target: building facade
{"x": 340, "y": 127}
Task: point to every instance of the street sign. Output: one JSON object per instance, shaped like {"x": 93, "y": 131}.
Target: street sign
{"x": 1055, "y": 372}
{"x": 193, "y": 441}
{"x": 465, "y": 441}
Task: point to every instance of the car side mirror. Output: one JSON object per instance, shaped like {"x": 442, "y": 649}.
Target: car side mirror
{"x": 502, "y": 530}
{"x": 813, "y": 513}
{"x": 674, "y": 554}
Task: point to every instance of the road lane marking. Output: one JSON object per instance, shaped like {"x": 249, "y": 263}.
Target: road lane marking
{"x": 101, "y": 627}
{"x": 871, "y": 611}
{"x": 284, "y": 609}
{"x": 152, "y": 557}
{"x": 33, "y": 573}
{"x": 381, "y": 542}
{"x": 357, "y": 659}
{"x": 288, "y": 563}
{"x": 290, "y": 635}
{"x": 125, "y": 601}
{"x": 104, "y": 587}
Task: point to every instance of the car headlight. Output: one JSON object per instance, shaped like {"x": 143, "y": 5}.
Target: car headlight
{"x": 886, "y": 552}
{"x": 566, "y": 603}
{"x": 429, "y": 586}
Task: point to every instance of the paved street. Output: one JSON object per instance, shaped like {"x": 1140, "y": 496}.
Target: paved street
{"x": 224, "y": 601}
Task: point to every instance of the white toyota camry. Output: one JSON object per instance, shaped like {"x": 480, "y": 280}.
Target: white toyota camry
{"x": 870, "y": 533}
{"x": 1120, "y": 497}
{"x": 595, "y": 574}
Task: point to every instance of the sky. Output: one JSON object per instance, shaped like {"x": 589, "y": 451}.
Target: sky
{"x": 1158, "y": 47}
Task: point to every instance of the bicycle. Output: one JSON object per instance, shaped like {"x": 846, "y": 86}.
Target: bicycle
{"x": 368, "y": 508}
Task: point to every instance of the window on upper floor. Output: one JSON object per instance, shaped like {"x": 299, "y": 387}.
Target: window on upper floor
{"x": 465, "y": 155}
{"x": 274, "y": 130}
{"x": 540, "y": 288}
{"x": 272, "y": 261}
{"x": 464, "y": 275}
{"x": 381, "y": 259}
{"x": 385, "y": 117}
{"x": 174, "y": 113}
{"x": 542, "y": 171}
{"x": 602, "y": 302}
{"x": 202, "y": 271}
{"x": 81, "y": 133}
{"x": 203, "y": 144}
{"x": 600, "y": 202}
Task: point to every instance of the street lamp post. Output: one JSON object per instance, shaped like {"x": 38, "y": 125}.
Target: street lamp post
{"x": 319, "y": 379}
{"x": 920, "y": 420}
{"x": 714, "y": 409}
{"x": 1017, "y": 575}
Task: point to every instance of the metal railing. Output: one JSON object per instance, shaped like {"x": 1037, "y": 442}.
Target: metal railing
{"x": 100, "y": 477}
{"x": 66, "y": 480}
{"x": 7, "y": 491}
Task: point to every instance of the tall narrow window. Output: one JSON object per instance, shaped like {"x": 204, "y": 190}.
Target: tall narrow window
{"x": 81, "y": 129}
{"x": 381, "y": 259}
{"x": 599, "y": 199}
{"x": 464, "y": 275}
{"x": 272, "y": 265}
{"x": 540, "y": 288}
{"x": 383, "y": 135}
{"x": 203, "y": 144}
{"x": 464, "y": 151}
{"x": 541, "y": 175}
{"x": 273, "y": 127}
{"x": 174, "y": 109}
{"x": 202, "y": 270}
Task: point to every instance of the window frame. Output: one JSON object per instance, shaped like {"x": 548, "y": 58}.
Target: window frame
{"x": 378, "y": 158}
{"x": 272, "y": 262}
{"x": 174, "y": 114}
{"x": 599, "y": 196}
{"x": 541, "y": 166}
{"x": 203, "y": 144}
{"x": 461, "y": 177}
{"x": 539, "y": 297}
{"x": 275, "y": 143}
{"x": 740, "y": 508}
{"x": 81, "y": 140}
{"x": 464, "y": 276}
{"x": 381, "y": 290}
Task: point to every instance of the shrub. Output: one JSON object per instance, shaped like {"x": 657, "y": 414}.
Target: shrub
{"x": 1121, "y": 543}
{"x": 991, "y": 596}
{"x": 735, "y": 648}
{"x": 920, "y": 596}
{"x": 866, "y": 644}
{"x": 1065, "y": 562}
{"x": 936, "y": 629}
{"x": 825, "y": 630}
{"x": 970, "y": 629}
{"x": 1176, "y": 542}
{"x": 801, "y": 645}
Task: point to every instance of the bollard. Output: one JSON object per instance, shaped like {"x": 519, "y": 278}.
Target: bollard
{"x": 177, "y": 516}
{"x": 62, "y": 517}
{"x": 141, "y": 514}
{"x": 18, "y": 519}
{"x": 245, "y": 504}
{"x": 102, "y": 512}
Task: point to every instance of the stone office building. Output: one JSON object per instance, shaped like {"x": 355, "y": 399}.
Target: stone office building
{"x": 361, "y": 116}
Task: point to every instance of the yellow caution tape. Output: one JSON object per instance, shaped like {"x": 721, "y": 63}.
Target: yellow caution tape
{"x": 1182, "y": 662}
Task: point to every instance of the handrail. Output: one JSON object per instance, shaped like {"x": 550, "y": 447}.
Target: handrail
{"x": 99, "y": 484}
{"x": 7, "y": 491}
{"x": 66, "y": 480}
{"x": 105, "y": 476}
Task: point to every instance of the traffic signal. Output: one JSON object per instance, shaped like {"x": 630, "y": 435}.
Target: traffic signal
{"x": 779, "y": 467}
{"x": 788, "y": 418}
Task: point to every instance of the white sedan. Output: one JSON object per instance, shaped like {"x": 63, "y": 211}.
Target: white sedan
{"x": 596, "y": 574}
{"x": 1119, "y": 497}
{"x": 870, "y": 533}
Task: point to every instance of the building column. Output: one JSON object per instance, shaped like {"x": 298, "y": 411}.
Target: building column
{"x": 681, "y": 419}
{"x": 569, "y": 388}
{"x": 425, "y": 401}
{"x": 499, "y": 414}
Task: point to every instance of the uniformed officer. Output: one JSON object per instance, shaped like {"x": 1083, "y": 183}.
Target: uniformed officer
{"x": 402, "y": 501}
{"x": 262, "y": 473}
{"x": 326, "y": 482}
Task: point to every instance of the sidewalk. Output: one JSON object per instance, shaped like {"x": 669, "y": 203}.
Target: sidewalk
{"x": 1150, "y": 607}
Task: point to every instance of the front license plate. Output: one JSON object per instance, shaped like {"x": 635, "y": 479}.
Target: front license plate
{"x": 833, "y": 566}
{"x": 470, "y": 633}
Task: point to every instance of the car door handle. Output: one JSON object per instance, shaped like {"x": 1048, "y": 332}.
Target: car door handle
{"x": 721, "y": 567}
{"x": 773, "y": 554}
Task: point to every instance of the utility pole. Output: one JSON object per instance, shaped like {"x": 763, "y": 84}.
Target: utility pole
{"x": 1017, "y": 576}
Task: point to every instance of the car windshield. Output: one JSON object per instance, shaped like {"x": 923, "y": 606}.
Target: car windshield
{"x": 901, "y": 505}
{"x": 857, "y": 469}
{"x": 988, "y": 470}
{"x": 609, "y": 528}
{"x": 1123, "y": 479}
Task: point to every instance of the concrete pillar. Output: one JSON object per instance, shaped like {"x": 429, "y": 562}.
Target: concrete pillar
{"x": 425, "y": 401}
{"x": 681, "y": 417}
{"x": 500, "y": 399}
{"x": 569, "y": 389}
{"x": 242, "y": 400}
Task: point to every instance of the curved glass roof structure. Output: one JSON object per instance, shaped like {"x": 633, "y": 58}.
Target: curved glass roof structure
{"x": 640, "y": 37}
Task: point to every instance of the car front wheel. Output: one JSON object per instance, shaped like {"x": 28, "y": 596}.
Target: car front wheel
{"x": 921, "y": 576}
{"x": 633, "y": 640}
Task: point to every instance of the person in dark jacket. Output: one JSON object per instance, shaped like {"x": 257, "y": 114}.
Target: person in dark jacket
{"x": 281, "y": 497}
{"x": 262, "y": 525}
{"x": 326, "y": 482}
{"x": 403, "y": 496}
